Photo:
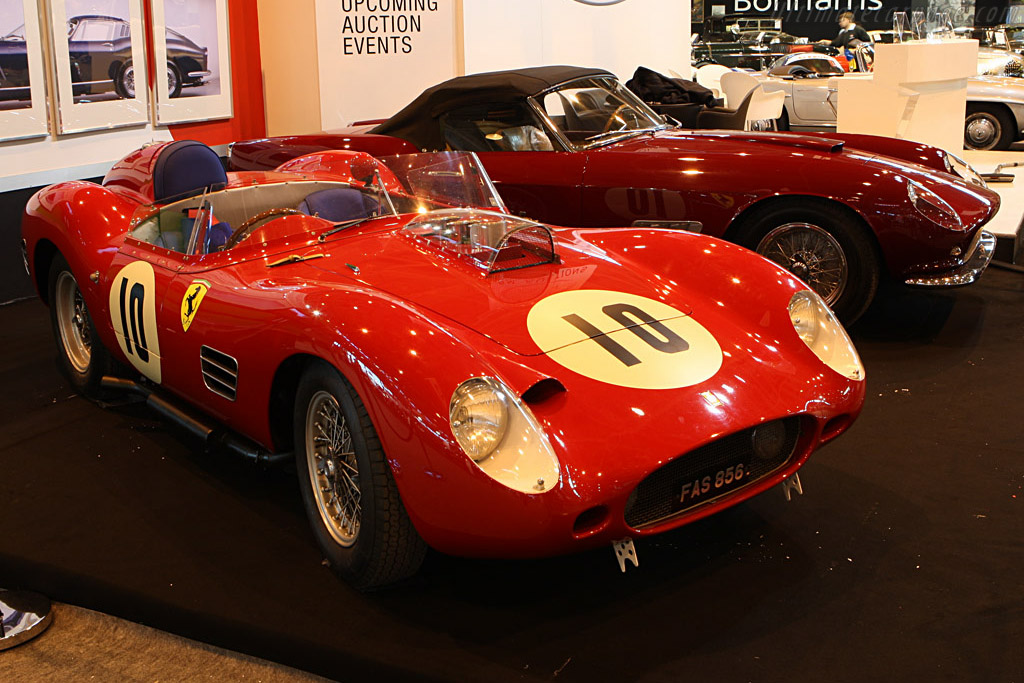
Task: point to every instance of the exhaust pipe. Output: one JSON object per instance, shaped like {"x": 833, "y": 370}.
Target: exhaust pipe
{"x": 207, "y": 432}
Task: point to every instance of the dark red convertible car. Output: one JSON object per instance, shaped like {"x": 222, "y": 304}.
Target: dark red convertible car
{"x": 445, "y": 374}
{"x": 572, "y": 146}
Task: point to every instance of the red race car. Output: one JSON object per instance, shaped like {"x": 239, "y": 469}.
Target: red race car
{"x": 572, "y": 146}
{"x": 444, "y": 373}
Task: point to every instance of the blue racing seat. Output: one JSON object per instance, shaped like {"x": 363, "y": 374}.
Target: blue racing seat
{"x": 339, "y": 204}
{"x": 186, "y": 168}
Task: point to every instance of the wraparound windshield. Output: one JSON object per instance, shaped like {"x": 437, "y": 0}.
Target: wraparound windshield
{"x": 351, "y": 188}
{"x": 593, "y": 111}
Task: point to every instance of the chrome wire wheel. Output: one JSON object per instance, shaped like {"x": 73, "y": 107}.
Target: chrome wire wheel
{"x": 128, "y": 82}
{"x": 172, "y": 80}
{"x": 812, "y": 254}
{"x": 73, "y": 322}
{"x": 982, "y": 131}
{"x": 333, "y": 468}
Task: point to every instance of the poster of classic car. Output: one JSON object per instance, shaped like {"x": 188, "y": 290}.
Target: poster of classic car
{"x": 100, "y": 51}
{"x": 14, "y": 77}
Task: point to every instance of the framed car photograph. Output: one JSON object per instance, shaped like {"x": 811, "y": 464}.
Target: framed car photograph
{"x": 190, "y": 50}
{"x": 22, "y": 74}
{"x": 99, "y": 53}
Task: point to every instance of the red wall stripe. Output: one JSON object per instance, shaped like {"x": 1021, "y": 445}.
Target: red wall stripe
{"x": 249, "y": 120}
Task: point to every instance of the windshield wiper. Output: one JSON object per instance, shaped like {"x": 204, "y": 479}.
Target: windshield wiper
{"x": 622, "y": 133}
{"x": 338, "y": 227}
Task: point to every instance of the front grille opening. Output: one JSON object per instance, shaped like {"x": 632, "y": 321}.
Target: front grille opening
{"x": 721, "y": 467}
{"x": 590, "y": 521}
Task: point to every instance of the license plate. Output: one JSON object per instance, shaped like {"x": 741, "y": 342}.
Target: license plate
{"x": 712, "y": 484}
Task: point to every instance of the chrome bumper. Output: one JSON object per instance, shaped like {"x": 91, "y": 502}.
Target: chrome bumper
{"x": 199, "y": 74}
{"x": 979, "y": 255}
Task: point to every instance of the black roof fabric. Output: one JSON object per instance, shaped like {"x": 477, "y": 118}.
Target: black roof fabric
{"x": 418, "y": 121}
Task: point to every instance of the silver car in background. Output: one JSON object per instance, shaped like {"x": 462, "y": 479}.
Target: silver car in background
{"x": 995, "y": 103}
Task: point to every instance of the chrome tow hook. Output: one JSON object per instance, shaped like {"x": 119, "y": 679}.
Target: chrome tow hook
{"x": 792, "y": 484}
{"x": 625, "y": 552}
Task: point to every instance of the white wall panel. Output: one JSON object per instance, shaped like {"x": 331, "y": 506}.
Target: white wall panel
{"x": 506, "y": 34}
{"x": 374, "y": 56}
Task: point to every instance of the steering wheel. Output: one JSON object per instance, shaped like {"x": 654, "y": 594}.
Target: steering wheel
{"x": 615, "y": 114}
{"x": 242, "y": 231}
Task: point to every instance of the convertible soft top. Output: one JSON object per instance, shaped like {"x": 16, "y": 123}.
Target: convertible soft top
{"x": 418, "y": 124}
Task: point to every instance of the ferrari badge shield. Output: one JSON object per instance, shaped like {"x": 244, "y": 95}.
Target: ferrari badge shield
{"x": 190, "y": 302}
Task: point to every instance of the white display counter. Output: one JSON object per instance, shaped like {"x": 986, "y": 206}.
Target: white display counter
{"x": 1007, "y": 224}
{"x": 915, "y": 93}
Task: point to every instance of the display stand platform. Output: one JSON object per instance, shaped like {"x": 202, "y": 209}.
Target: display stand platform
{"x": 906, "y": 544}
{"x": 1008, "y": 224}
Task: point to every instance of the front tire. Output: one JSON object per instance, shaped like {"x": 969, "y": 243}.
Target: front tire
{"x": 823, "y": 246}
{"x": 81, "y": 355}
{"x": 988, "y": 127}
{"x": 347, "y": 488}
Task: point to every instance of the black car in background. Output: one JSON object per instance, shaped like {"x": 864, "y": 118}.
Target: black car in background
{"x": 100, "y": 50}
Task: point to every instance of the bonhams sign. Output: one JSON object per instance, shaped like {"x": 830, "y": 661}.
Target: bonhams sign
{"x": 777, "y": 6}
{"x": 383, "y": 27}
{"x": 812, "y": 18}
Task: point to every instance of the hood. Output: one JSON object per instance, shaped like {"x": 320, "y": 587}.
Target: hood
{"x": 498, "y": 305}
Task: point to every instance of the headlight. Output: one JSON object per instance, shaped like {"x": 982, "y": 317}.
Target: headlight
{"x": 500, "y": 434}
{"x": 815, "y": 323}
{"x": 961, "y": 168}
{"x": 479, "y": 417}
{"x": 932, "y": 206}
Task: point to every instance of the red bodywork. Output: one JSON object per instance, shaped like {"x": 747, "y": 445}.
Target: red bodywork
{"x": 716, "y": 178}
{"x": 406, "y": 324}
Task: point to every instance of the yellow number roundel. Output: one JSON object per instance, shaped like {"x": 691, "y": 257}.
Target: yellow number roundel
{"x": 624, "y": 339}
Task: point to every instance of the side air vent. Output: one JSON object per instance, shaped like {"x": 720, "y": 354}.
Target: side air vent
{"x": 220, "y": 372}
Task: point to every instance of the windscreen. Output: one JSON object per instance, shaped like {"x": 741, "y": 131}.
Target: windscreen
{"x": 446, "y": 180}
{"x": 593, "y": 111}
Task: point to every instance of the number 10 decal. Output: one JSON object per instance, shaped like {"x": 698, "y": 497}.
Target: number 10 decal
{"x": 624, "y": 339}
{"x": 620, "y": 313}
{"x": 133, "y": 315}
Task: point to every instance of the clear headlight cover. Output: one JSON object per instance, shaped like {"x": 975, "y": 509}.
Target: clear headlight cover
{"x": 500, "y": 434}
{"x": 479, "y": 417}
{"x": 932, "y": 206}
{"x": 964, "y": 170}
{"x": 818, "y": 327}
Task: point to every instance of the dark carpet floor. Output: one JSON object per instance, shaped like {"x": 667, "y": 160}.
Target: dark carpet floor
{"x": 903, "y": 561}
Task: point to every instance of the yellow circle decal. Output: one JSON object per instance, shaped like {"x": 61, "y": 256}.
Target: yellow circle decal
{"x": 624, "y": 339}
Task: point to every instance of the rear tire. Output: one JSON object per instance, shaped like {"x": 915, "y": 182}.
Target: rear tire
{"x": 81, "y": 355}
{"x": 823, "y": 246}
{"x": 347, "y": 488}
{"x": 988, "y": 126}
{"x": 173, "y": 80}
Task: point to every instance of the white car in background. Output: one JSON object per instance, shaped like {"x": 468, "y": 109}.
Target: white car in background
{"x": 995, "y": 104}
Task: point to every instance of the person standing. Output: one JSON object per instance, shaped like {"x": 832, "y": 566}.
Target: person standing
{"x": 850, "y": 35}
